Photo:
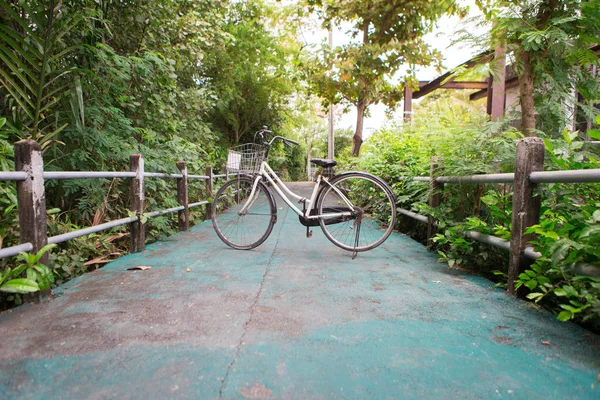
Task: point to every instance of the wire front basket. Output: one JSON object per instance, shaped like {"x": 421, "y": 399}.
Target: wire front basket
{"x": 246, "y": 158}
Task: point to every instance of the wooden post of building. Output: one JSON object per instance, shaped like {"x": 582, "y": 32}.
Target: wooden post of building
{"x": 136, "y": 194}
{"x": 183, "y": 198}
{"x": 408, "y": 94}
{"x": 498, "y": 98}
{"x": 31, "y": 196}
{"x": 526, "y": 206}
{"x": 488, "y": 104}
{"x": 209, "y": 191}
{"x": 435, "y": 198}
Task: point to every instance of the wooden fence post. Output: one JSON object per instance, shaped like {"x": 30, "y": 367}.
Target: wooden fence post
{"x": 435, "y": 198}
{"x": 226, "y": 173}
{"x": 31, "y": 196}
{"x": 526, "y": 207}
{"x": 136, "y": 193}
{"x": 209, "y": 191}
{"x": 182, "y": 197}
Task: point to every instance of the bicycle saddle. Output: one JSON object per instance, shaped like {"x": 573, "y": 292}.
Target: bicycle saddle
{"x": 324, "y": 162}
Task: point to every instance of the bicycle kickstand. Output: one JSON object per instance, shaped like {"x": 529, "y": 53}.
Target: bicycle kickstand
{"x": 308, "y": 230}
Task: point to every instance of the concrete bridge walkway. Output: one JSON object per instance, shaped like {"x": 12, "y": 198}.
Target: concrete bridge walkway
{"x": 295, "y": 318}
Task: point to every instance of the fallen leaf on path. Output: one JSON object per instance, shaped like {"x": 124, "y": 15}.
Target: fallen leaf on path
{"x": 545, "y": 343}
{"x": 139, "y": 267}
{"x": 98, "y": 260}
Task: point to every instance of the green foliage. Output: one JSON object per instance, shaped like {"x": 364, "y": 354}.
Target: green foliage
{"x": 387, "y": 37}
{"x": 550, "y": 43}
{"x": 34, "y": 66}
{"x": 251, "y": 71}
{"x": 38, "y": 276}
{"x": 565, "y": 280}
{"x": 444, "y": 125}
{"x": 106, "y": 79}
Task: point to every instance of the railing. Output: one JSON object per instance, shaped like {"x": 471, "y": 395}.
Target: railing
{"x": 30, "y": 177}
{"x": 528, "y": 174}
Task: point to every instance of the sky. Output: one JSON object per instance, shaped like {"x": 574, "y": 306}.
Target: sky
{"x": 441, "y": 38}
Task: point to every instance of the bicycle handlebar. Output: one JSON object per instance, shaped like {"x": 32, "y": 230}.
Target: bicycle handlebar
{"x": 267, "y": 131}
{"x": 285, "y": 140}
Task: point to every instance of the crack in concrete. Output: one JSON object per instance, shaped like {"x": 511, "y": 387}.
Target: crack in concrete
{"x": 252, "y": 309}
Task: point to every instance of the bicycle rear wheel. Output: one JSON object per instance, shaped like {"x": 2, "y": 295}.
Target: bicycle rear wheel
{"x": 373, "y": 211}
{"x": 242, "y": 219}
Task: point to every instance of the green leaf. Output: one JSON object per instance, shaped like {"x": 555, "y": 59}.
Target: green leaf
{"x": 551, "y": 235}
{"x": 532, "y": 284}
{"x": 530, "y": 273}
{"x": 560, "y": 292}
{"x": 20, "y": 285}
{"x": 542, "y": 280}
{"x": 594, "y": 133}
{"x": 532, "y": 296}
{"x": 564, "y": 316}
{"x": 490, "y": 200}
{"x": 567, "y": 307}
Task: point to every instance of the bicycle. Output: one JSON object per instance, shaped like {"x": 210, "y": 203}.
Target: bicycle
{"x": 355, "y": 210}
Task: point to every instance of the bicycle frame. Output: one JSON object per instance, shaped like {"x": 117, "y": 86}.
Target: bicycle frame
{"x": 267, "y": 172}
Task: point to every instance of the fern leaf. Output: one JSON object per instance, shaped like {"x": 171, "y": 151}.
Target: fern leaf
{"x": 16, "y": 70}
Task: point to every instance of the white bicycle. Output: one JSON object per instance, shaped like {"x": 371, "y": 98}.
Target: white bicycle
{"x": 356, "y": 210}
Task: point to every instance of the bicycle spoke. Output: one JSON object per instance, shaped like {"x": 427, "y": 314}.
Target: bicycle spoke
{"x": 375, "y": 208}
{"x": 239, "y": 228}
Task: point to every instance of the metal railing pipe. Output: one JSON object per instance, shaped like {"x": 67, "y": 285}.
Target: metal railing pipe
{"x": 13, "y": 175}
{"x": 421, "y": 179}
{"x": 162, "y": 175}
{"x": 484, "y": 178}
{"x": 92, "y": 229}
{"x": 573, "y": 176}
{"x": 87, "y": 174}
{"x": 165, "y": 211}
{"x": 420, "y": 218}
{"x": 489, "y": 239}
{"x": 198, "y": 176}
{"x": 200, "y": 203}
{"x": 14, "y": 250}
{"x": 530, "y": 253}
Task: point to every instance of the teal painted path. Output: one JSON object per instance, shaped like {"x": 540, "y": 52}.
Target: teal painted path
{"x": 296, "y": 318}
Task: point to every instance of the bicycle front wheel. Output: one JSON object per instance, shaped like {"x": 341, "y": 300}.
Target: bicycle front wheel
{"x": 371, "y": 204}
{"x": 243, "y": 218}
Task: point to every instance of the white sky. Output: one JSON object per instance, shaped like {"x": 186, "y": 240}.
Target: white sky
{"x": 441, "y": 39}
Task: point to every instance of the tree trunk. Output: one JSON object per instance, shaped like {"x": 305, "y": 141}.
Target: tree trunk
{"x": 526, "y": 94}
{"x": 357, "y": 138}
{"x": 362, "y": 105}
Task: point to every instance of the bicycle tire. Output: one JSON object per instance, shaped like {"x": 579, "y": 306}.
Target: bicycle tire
{"x": 250, "y": 229}
{"x": 373, "y": 221}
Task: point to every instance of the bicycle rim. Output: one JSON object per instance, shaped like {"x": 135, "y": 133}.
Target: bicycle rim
{"x": 374, "y": 212}
{"x": 241, "y": 228}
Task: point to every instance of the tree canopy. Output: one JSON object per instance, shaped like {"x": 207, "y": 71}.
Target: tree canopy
{"x": 387, "y": 46}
